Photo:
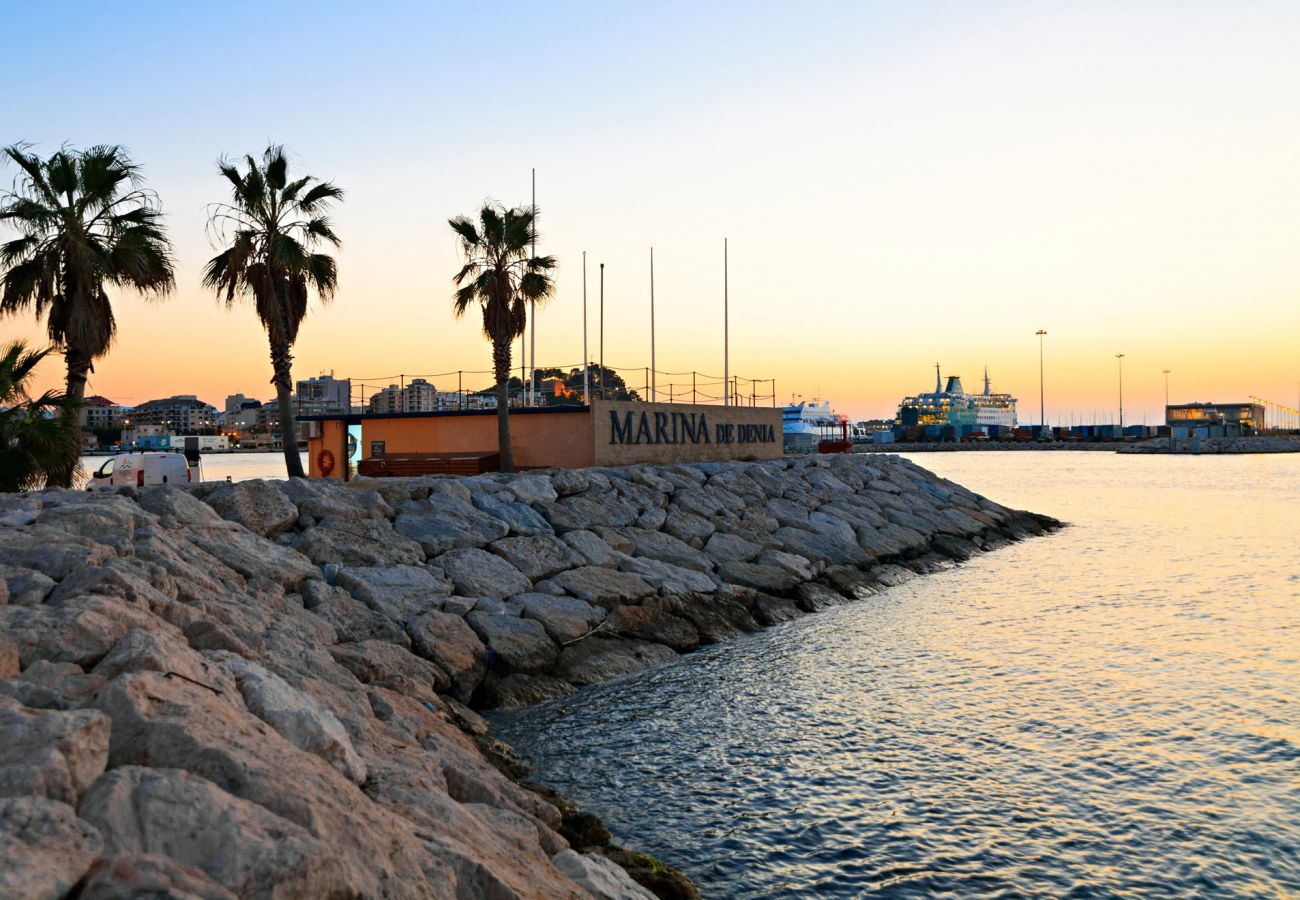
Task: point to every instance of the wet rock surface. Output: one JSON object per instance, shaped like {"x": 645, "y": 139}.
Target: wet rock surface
{"x": 257, "y": 689}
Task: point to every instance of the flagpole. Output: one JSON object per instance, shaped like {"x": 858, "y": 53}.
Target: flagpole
{"x": 532, "y": 313}
{"x": 586, "y": 365}
{"x": 653, "y": 393}
{"x": 602, "y": 331}
{"x": 726, "y": 335}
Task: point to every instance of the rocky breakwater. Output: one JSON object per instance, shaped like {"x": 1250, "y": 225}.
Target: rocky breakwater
{"x": 1264, "y": 443}
{"x": 263, "y": 688}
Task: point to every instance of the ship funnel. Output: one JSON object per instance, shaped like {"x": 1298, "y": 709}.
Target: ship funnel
{"x": 954, "y": 385}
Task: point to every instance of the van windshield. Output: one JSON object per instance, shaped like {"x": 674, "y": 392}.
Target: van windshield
{"x": 106, "y": 470}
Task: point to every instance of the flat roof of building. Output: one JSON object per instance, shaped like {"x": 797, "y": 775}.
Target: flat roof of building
{"x": 355, "y": 418}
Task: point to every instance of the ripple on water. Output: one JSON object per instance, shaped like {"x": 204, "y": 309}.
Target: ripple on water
{"x": 1108, "y": 711}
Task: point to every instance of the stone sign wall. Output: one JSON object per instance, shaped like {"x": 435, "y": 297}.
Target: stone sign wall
{"x": 628, "y": 432}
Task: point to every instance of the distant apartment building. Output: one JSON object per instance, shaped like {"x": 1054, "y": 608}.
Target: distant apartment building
{"x": 237, "y": 402}
{"x": 182, "y": 414}
{"x": 323, "y": 394}
{"x": 101, "y": 414}
{"x": 418, "y": 396}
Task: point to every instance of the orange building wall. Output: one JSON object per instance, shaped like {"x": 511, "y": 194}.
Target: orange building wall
{"x": 563, "y": 440}
{"x": 334, "y": 436}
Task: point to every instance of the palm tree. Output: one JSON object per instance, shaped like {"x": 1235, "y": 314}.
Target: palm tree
{"x": 503, "y": 277}
{"x": 84, "y": 220}
{"x": 37, "y": 435}
{"x": 272, "y": 226}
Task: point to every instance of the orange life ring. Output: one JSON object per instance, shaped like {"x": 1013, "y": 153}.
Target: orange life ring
{"x": 325, "y": 462}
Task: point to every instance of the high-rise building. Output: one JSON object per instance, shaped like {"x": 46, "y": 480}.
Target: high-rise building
{"x": 418, "y": 396}
{"x": 182, "y": 414}
{"x": 324, "y": 394}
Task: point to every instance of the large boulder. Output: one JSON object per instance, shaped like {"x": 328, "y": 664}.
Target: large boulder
{"x": 352, "y": 620}
{"x": 669, "y": 579}
{"x": 449, "y": 643}
{"x": 518, "y": 644}
{"x": 598, "y": 585}
{"x": 357, "y": 542}
{"x": 564, "y": 618}
{"x": 147, "y": 875}
{"x": 760, "y": 577}
{"x": 666, "y": 548}
{"x": 591, "y": 546}
{"x": 444, "y": 522}
{"x": 477, "y": 573}
{"x": 299, "y": 718}
{"x": 521, "y": 518}
{"x": 50, "y": 551}
{"x": 596, "y": 659}
{"x": 398, "y": 592}
{"x": 152, "y": 651}
{"x": 654, "y": 624}
{"x": 9, "y": 664}
{"x": 716, "y": 617}
{"x": 44, "y": 847}
{"x": 51, "y": 754}
{"x": 539, "y": 556}
{"x": 388, "y": 665}
{"x": 240, "y": 845}
{"x": 532, "y": 489}
{"x": 723, "y": 547}
{"x": 323, "y": 498}
{"x": 25, "y": 587}
{"x": 688, "y": 527}
{"x": 80, "y": 630}
{"x": 517, "y": 690}
{"x": 260, "y": 506}
{"x": 166, "y": 723}
{"x": 599, "y": 876}
{"x": 582, "y": 511}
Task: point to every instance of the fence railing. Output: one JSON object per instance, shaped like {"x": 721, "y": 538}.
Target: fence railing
{"x": 476, "y": 389}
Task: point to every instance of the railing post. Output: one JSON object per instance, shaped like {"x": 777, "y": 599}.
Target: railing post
{"x": 694, "y": 399}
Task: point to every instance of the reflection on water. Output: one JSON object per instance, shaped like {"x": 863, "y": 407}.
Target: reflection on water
{"x": 221, "y": 466}
{"x": 1108, "y": 710}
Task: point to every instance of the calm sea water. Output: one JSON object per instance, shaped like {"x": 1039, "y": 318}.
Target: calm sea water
{"x": 1108, "y": 711}
{"x": 223, "y": 466}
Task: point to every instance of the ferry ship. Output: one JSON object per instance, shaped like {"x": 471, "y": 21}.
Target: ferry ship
{"x": 804, "y": 423}
{"x": 951, "y": 405}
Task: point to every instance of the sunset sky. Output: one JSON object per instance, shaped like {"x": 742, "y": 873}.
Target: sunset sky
{"x": 900, "y": 183}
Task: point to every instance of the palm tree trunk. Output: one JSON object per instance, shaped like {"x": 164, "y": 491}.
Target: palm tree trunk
{"x": 78, "y": 370}
{"x": 281, "y": 363}
{"x": 501, "y": 362}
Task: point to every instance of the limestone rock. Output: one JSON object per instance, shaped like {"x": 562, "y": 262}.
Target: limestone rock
{"x": 716, "y": 617}
{"x": 323, "y": 498}
{"x": 448, "y": 642}
{"x": 568, "y": 482}
{"x": 532, "y": 489}
{"x": 666, "y": 548}
{"x": 477, "y": 573}
{"x": 757, "y": 576}
{"x": 148, "y": 875}
{"x": 688, "y": 527}
{"x": 65, "y": 679}
{"x": 667, "y": 578}
{"x": 583, "y": 511}
{"x": 260, "y": 506}
{"x": 358, "y": 542}
{"x": 596, "y": 659}
{"x": 446, "y": 523}
{"x": 44, "y": 847}
{"x": 9, "y": 665}
{"x": 591, "y": 546}
{"x": 564, "y": 618}
{"x": 800, "y": 567}
{"x": 82, "y": 630}
{"x": 814, "y": 597}
{"x": 54, "y": 553}
{"x": 25, "y": 587}
{"x": 769, "y": 610}
{"x": 399, "y": 592}
{"x": 51, "y": 754}
{"x": 300, "y": 718}
{"x": 599, "y": 585}
{"x": 518, "y": 690}
{"x": 354, "y": 621}
{"x": 388, "y": 665}
{"x": 238, "y": 844}
{"x": 655, "y": 625}
{"x": 599, "y": 876}
{"x": 830, "y": 549}
{"x": 149, "y": 651}
{"x": 724, "y": 547}
{"x": 539, "y": 556}
{"x": 520, "y": 518}
{"x": 520, "y": 645}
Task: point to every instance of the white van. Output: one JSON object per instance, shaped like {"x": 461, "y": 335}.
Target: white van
{"x": 139, "y": 469}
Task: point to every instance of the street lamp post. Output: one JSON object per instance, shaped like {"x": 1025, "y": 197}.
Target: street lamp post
{"x": 1041, "y": 406}
{"x": 1166, "y": 396}
{"x": 1120, "y": 357}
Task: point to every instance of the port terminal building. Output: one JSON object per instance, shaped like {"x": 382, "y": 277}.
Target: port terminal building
{"x": 1207, "y": 420}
